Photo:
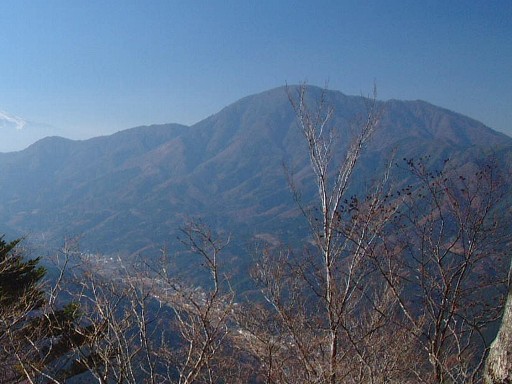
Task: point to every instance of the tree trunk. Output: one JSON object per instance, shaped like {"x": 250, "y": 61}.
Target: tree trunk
{"x": 498, "y": 366}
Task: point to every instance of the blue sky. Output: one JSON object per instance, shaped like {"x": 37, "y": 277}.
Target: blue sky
{"x": 95, "y": 67}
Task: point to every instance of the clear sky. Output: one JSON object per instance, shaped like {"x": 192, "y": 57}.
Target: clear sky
{"x": 95, "y": 67}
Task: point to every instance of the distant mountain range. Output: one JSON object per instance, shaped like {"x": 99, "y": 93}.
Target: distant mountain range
{"x": 129, "y": 192}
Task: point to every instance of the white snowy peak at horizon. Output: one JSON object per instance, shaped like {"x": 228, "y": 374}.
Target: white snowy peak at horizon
{"x": 17, "y": 133}
{"x": 7, "y": 121}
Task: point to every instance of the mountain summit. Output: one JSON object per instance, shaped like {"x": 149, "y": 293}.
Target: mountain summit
{"x": 129, "y": 192}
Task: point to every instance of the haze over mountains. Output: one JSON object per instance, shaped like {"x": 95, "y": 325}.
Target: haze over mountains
{"x": 129, "y": 192}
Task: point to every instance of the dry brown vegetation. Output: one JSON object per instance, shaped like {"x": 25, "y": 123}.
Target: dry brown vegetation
{"x": 403, "y": 285}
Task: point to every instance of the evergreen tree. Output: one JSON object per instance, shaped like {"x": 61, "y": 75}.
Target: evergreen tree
{"x": 37, "y": 341}
{"x": 21, "y": 294}
{"x": 19, "y": 278}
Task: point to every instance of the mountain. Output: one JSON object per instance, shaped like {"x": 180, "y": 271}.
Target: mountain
{"x": 18, "y": 133}
{"x": 129, "y": 192}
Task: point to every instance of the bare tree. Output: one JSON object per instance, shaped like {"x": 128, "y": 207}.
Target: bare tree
{"x": 84, "y": 324}
{"x": 332, "y": 181}
{"x": 401, "y": 285}
{"x": 201, "y": 315}
{"x": 324, "y": 311}
{"x": 442, "y": 258}
{"x": 147, "y": 325}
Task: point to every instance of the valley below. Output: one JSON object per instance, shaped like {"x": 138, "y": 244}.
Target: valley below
{"x": 297, "y": 235}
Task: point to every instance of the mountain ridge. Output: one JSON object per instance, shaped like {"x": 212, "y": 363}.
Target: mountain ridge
{"x": 129, "y": 192}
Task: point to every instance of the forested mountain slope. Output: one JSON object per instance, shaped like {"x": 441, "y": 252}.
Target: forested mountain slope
{"x": 130, "y": 191}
